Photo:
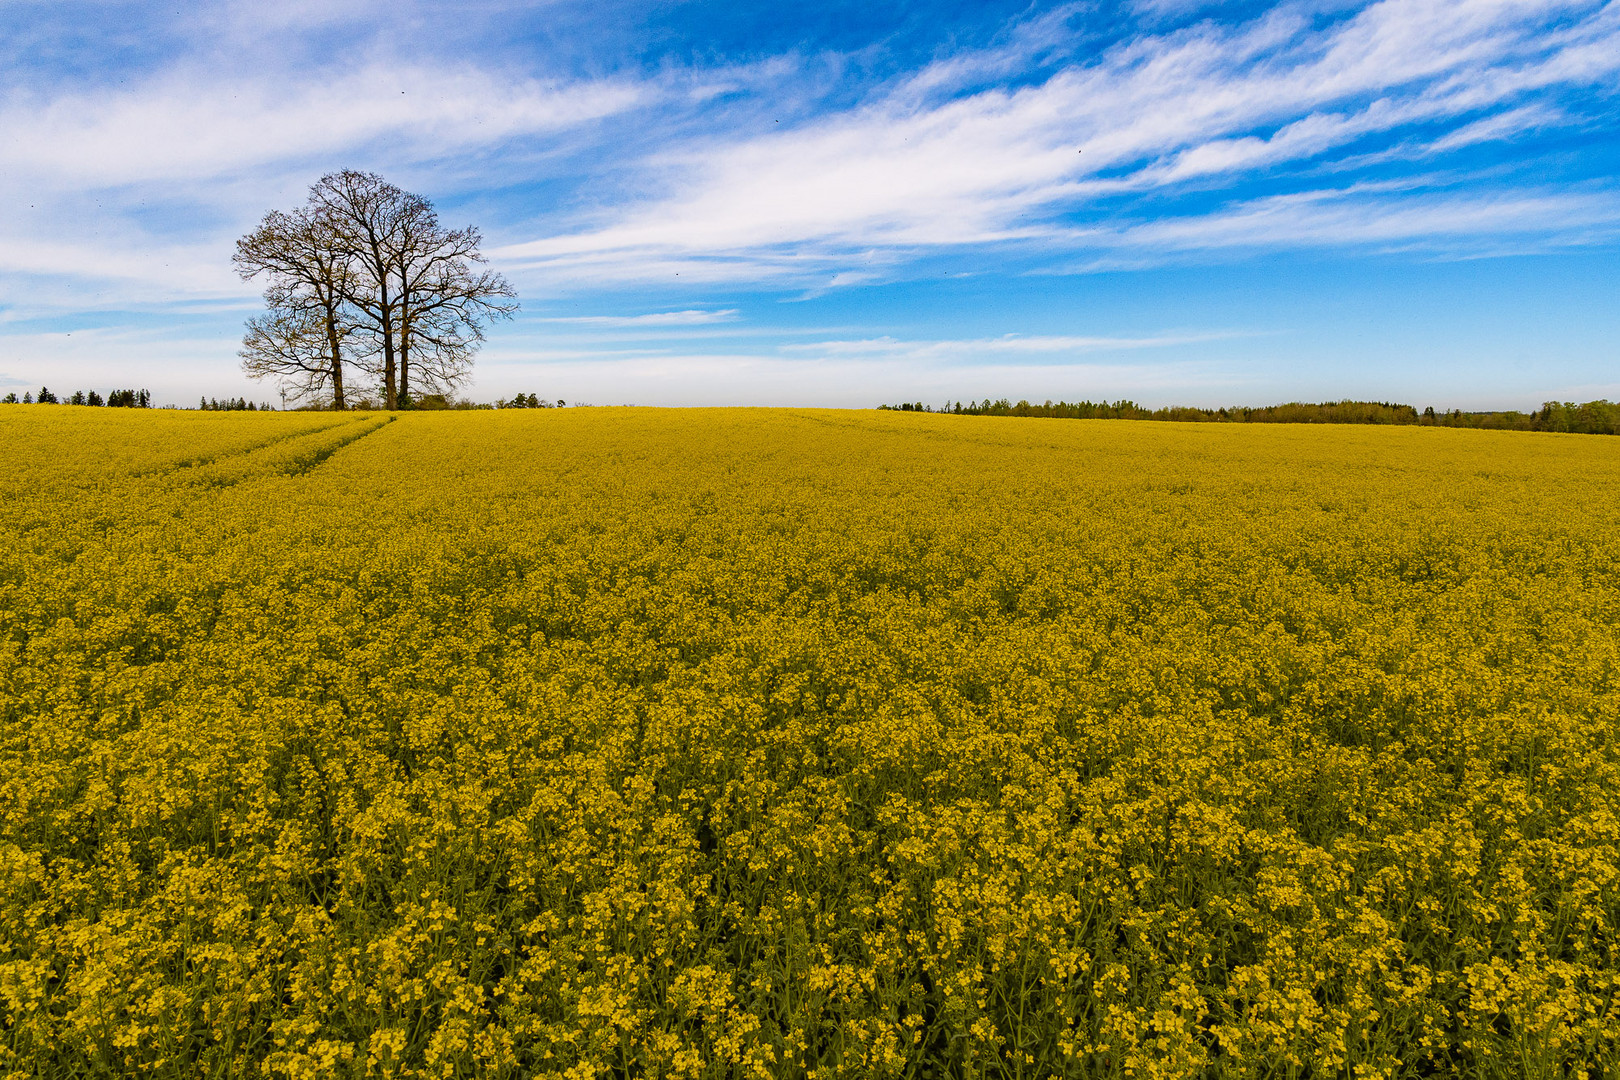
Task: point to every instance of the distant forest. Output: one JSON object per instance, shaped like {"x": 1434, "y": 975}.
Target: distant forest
{"x": 118, "y": 399}
{"x": 1592, "y": 418}
{"x": 1600, "y": 417}
{"x": 142, "y": 399}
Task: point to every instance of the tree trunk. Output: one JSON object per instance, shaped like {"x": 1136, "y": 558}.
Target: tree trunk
{"x": 390, "y": 369}
{"x": 404, "y": 350}
{"x": 337, "y": 363}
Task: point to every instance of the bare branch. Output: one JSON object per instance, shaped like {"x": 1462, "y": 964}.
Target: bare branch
{"x": 394, "y": 291}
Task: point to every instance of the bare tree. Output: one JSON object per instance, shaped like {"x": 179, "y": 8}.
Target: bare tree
{"x": 415, "y": 290}
{"x": 290, "y": 343}
{"x": 445, "y": 302}
{"x": 300, "y": 340}
{"x": 365, "y": 274}
{"x": 368, "y": 217}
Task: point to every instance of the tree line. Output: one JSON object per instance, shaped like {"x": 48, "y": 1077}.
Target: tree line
{"x": 439, "y": 402}
{"x": 1600, "y": 417}
{"x": 118, "y": 399}
{"x": 363, "y": 279}
{"x": 142, "y": 399}
{"x": 528, "y": 401}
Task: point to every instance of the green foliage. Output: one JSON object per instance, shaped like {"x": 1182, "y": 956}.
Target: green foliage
{"x": 1594, "y": 417}
{"x": 240, "y": 404}
{"x": 529, "y": 401}
{"x": 130, "y": 399}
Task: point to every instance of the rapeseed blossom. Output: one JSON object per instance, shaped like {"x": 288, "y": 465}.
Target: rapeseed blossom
{"x": 588, "y": 743}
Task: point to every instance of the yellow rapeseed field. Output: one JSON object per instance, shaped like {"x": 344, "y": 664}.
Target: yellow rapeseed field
{"x": 600, "y": 742}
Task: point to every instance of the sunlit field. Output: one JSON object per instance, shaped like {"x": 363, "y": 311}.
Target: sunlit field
{"x": 600, "y": 742}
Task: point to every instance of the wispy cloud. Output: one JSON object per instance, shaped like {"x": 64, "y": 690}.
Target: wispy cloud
{"x": 187, "y": 127}
{"x": 1366, "y": 215}
{"x": 966, "y": 153}
{"x": 143, "y": 269}
{"x": 141, "y": 188}
{"x": 690, "y": 317}
{"x": 1052, "y": 348}
{"x": 1206, "y": 105}
{"x": 1499, "y": 126}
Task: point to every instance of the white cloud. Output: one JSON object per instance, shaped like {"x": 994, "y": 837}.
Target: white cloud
{"x": 141, "y": 190}
{"x": 1499, "y": 126}
{"x": 691, "y": 317}
{"x": 155, "y": 271}
{"x": 203, "y": 126}
{"x": 1365, "y": 215}
{"x": 1002, "y": 166}
{"x": 1002, "y": 351}
{"x": 144, "y": 186}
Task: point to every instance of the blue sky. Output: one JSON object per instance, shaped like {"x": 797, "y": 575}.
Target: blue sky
{"x": 848, "y": 203}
